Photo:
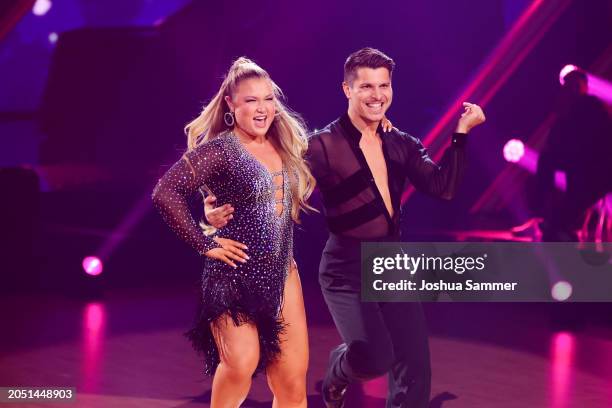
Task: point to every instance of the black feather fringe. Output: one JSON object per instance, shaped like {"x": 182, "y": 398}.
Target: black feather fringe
{"x": 222, "y": 296}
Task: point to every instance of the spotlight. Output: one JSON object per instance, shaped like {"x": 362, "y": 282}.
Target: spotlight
{"x": 561, "y": 291}
{"x": 92, "y": 265}
{"x": 566, "y": 70}
{"x": 41, "y": 7}
{"x": 514, "y": 150}
{"x": 598, "y": 86}
{"x": 53, "y": 38}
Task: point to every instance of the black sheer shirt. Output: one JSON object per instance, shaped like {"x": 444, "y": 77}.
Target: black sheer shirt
{"x": 353, "y": 205}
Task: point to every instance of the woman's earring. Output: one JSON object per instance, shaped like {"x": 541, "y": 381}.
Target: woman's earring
{"x": 228, "y": 118}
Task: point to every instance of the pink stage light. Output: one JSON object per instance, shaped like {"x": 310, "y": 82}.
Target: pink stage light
{"x": 561, "y": 180}
{"x": 92, "y": 265}
{"x": 41, "y": 7}
{"x": 562, "y": 354}
{"x": 566, "y": 70}
{"x": 561, "y": 291}
{"x": 517, "y": 43}
{"x": 597, "y": 86}
{"x": 514, "y": 150}
{"x": 94, "y": 336}
{"x": 600, "y": 88}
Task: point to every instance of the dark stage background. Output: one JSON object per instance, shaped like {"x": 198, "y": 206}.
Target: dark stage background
{"x": 106, "y": 118}
{"x": 94, "y": 95}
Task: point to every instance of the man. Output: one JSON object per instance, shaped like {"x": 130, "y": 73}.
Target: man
{"x": 580, "y": 144}
{"x": 361, "y": 172}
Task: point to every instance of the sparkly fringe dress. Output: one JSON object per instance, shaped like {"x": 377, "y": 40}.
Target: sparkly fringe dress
{"x": 252, "y": 292}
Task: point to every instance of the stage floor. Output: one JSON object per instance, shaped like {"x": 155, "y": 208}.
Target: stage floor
{"x": 126, "y": 349}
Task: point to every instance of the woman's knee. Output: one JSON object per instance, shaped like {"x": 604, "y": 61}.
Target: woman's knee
{"x": 289, "y": 388}
{"x": 240, "y": 362}
{"x": 239, "y": 352}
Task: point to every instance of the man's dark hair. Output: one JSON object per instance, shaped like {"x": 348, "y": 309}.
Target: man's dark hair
{"x": 366, "y": 58}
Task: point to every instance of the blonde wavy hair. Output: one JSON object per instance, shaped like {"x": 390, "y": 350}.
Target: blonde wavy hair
{"x": 287, "y": 133}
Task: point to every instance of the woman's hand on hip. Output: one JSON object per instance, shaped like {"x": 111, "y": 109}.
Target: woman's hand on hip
{"x": 229, "y": 252}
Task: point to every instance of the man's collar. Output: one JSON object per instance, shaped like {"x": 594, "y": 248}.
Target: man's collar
{"x": 351, "y": 131}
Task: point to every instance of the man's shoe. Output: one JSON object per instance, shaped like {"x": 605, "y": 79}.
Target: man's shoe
{"x": 333, "y": 394}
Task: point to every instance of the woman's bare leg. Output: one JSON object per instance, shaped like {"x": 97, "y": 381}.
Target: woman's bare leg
{"x": 287, "y": 375}
{"x": 239, "y": 353}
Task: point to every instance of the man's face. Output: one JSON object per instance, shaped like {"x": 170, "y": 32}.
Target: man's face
{"x": 370, "y": 94}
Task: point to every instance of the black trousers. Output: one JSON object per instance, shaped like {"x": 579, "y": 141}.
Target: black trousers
{"x": 379, "y": 338}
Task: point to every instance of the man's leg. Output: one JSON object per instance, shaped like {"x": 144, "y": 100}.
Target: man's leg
{"x": 410, "y": 376}
{"x": 367, "y": 351}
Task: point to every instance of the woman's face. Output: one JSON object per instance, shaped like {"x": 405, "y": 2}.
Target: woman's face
{"x": 253, "y": 106}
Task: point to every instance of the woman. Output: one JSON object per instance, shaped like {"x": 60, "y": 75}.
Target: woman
{"x": 246, "y": 148}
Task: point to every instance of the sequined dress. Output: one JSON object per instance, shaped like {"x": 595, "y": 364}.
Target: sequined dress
{"x": 253, "y": 291}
